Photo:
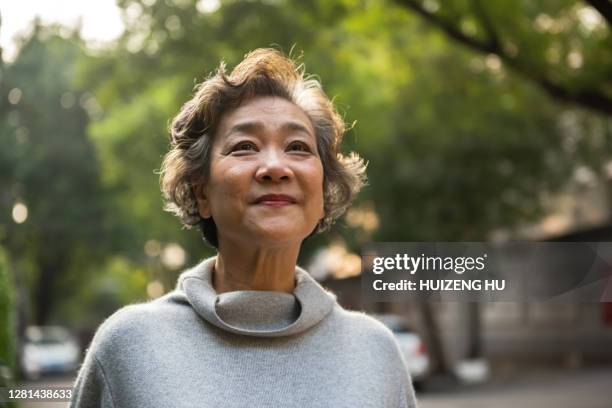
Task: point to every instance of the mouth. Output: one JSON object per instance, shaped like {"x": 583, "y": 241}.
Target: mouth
{"x": 275, "y": 200}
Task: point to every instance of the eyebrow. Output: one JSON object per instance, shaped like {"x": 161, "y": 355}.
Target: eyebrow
{"x": 258, "y": 127}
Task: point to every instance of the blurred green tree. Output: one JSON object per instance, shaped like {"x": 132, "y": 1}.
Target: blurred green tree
{"x": 8, "y": 347}
{"x": 564, "y": 47}
{"x": 54, "y": 216}
{"x": 458, "y": 144}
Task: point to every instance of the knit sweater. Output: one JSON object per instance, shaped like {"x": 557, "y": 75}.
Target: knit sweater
{"x": 196, "y": 348}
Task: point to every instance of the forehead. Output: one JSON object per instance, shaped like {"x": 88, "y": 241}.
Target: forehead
{"x": 272, "y": 111}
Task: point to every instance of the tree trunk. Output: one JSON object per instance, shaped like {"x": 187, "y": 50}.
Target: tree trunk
{"x": 45, "y": 293}
{"x": 474, "y": 350}
{"x": 436, "y": 346}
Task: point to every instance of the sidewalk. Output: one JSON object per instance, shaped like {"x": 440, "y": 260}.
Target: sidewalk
{"x": 570, "y": 388}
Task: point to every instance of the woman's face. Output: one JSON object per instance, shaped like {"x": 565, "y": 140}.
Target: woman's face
{"x": 266, "y": 176}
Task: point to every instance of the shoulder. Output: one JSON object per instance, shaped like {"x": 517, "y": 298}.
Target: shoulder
{"x": 369, "y": 341}
{"x": 372, "y": 335}
{"x": 132, "y": 323}
{"x": 368, "y": 329}
{"x": 362, "y": 321}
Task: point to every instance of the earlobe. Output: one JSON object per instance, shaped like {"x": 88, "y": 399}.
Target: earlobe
{"x": 203, "y": 203}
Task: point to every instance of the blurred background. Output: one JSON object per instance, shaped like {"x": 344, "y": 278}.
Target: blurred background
{"x": 481, "y": 121}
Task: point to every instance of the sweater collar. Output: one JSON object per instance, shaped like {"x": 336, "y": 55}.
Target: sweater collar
{"x": 257, "y": 313}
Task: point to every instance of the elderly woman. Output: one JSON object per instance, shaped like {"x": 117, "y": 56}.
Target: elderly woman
{"x": 255, "y": 162}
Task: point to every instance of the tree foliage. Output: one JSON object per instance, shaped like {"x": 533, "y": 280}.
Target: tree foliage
{"x": 49, "y": 167}
{"x": 460, "y": 140}
{"x": 432, "y": 118}
{"x": 564, "y": 47}
{"x": 7, "y": 318}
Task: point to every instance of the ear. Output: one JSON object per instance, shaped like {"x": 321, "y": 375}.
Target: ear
{"x": 202, "y": 199}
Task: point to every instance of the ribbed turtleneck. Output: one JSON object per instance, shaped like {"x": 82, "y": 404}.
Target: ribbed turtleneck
{"x": 257, "y": 313}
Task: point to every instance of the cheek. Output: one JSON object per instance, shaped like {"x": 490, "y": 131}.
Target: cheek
{"x": 315, "y": 188}
{"x": 229, "y": 187}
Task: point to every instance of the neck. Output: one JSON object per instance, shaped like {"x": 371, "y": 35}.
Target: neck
{"x": 246, "y": 267}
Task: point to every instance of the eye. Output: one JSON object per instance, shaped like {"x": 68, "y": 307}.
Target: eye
{"x": 244, "y": 146}
{"x": 298, "y": 147}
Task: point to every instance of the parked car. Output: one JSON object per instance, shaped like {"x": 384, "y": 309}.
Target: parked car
{"x": 411, "y": 345}
{"x": 49, "y": 350}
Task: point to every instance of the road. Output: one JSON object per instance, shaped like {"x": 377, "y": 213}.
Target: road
{"x": 583, "y": 388}
{"x": 578, "y": 388}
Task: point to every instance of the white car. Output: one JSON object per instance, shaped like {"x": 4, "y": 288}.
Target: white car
{"x": 412, "y": 346}
{"x": 49, "y": 349}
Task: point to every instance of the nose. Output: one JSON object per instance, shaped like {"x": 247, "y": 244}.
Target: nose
{"x": 273, "y": 167}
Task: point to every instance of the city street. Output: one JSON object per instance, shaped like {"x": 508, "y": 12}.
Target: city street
{"x": 581, "y": 388}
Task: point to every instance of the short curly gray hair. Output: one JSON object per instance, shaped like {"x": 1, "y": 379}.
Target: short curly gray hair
{"x": 262, "y": 72}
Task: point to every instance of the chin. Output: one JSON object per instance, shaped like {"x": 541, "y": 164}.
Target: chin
{"x": 270, "y": 236}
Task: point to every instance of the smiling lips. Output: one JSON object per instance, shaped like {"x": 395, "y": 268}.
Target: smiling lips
{"x": 275, "y": 200}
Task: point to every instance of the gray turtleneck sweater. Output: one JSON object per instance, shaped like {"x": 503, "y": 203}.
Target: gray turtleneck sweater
{"x": 196, "y": 348}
